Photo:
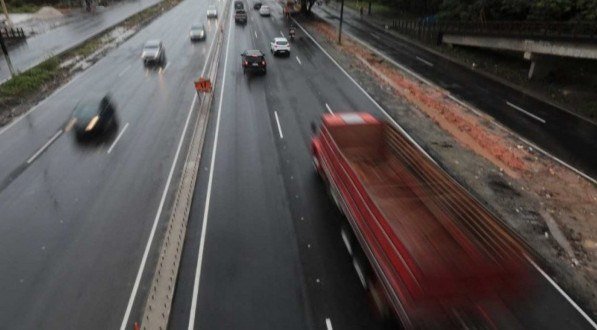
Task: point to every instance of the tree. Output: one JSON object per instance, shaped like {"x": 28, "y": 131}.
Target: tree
{"x": 551, "y": 10}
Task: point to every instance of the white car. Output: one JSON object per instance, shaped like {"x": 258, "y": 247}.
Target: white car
{"x": 280, "y": 46}
{"x": 264, "y": 11}
{"x": 212, "y": 12}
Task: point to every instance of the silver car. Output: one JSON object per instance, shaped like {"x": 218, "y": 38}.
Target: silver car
{"x": 153, "y": 52}
{"x": 197, "y": 32}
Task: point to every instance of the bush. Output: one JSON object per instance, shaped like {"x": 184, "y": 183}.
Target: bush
{"x": 31, "y": 80}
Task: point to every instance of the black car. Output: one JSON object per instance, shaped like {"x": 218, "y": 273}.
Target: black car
{"x": 240, "y": 17}
{"x": 93, "y": 116}
{"x": 253, "y": 61}
{"x": 257, "y": 5}
{"x": 238, "y": 4}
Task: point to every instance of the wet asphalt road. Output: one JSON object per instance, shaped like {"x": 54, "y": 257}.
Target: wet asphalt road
{"x": 272, "y": 256}
{"x": 76, "y": 220}
{"x": 39, "y": 47}
{"x": 564, "y": 135}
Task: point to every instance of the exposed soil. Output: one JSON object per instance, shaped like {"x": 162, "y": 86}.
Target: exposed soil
{"x": 550, "y": 207}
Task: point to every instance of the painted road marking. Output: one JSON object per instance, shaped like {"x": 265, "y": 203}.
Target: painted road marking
{"x": 208, "y": 195}
{"x": 299, "y": 60}
{"x": 328, "y": 324}
{"x": 329, "y": 109}
{"x": 375, "y": 36}
{"x": 419, "y": 147}
{"x": 424, "y": 61}
{"x": 282, "y": 34}
{"x": 526, "y": 112}
{"x": 124, "y": 70}
{"x": 255, "y": 34}
{"x": 555, "y": 285}
{"x": 279, "y": 127}
{"x": 129, "y": 306}
{"x": 118, "y": 137}
{"x": 44, "y": 147}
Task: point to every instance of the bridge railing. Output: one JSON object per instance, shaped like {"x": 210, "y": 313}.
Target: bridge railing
{"x": 432, "y": 31}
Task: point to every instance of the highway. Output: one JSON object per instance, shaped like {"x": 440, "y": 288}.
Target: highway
{"x": 263, "y": 243}
{"x": 561, "y": 133}
{"x": 263, "y": 249}
{"x": 76, "y": 217}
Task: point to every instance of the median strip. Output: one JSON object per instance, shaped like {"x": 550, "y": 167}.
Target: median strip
{"x": 159, "y": 300}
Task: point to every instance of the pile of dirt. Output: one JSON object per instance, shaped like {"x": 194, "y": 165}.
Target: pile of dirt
{"x": 47, "y": 12}
{"x": 552, "y": 208}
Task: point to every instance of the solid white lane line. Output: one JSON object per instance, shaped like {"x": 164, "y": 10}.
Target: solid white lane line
{"x": 208, "y": 194}
{"x": 424, "y": 61}
{"x": 279, "y": 127}
{"x": 118, "y": 137}
{"x": 563, "y": 293}
{"x": 282, "y": 34}
{"x": 299, "y": 60}
{"x": 124, "y": 70}
{"x": 329, "y": 109}
{"x": 133, "y": 295}
{"x": 526, "y": 112}
{"x": 328, "y": 324}
{"x": 54, "y": 137}
{"x": 416, "y": 144}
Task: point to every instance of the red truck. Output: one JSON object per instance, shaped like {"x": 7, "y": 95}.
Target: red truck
{"x": 427, "y": 252}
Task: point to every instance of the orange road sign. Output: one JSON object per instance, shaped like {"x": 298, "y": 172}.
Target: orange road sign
{"x": 203, "y": 85}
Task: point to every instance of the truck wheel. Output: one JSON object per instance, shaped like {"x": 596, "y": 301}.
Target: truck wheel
{"x": 378, "y": 299}
{"x": 316, "y": 165}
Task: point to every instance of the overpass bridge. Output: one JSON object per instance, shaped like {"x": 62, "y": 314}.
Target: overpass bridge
{"x": 538, "y": 42}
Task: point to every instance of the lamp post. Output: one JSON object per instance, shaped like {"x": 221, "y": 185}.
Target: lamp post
{"x": 8, "y": 22}
{"x": 341, "y": 17}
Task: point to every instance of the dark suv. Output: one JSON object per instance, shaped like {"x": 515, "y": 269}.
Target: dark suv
{"x": 240, "y": 17}
{"x": 253, "y": 61}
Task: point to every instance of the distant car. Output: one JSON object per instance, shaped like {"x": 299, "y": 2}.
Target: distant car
{"x": 212, "y": 12}
{"x": 253, "y": 61}
{"x": 153, "y": 52}
{"x": 93, "y": 116}
{"x": 197, "y": 32}
{"x": 264, "y": 11}
{"x": 240, "y": 16}
{"x": 257, "y": 5}
{"x": 238, "y": 4}
{"x": 280, "y": 46}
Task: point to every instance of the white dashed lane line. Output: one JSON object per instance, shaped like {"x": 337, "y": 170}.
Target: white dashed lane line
{"x": 118, "y": 137}
{"x": 279, "y": 126}
{"x": 526, "y": 112}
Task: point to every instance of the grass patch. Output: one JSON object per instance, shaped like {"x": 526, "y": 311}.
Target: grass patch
{"x": 22, "y": 8}
{"x": 30, "y": 81}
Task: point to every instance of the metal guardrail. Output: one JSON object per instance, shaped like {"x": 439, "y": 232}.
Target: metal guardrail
{"x": 562, "y": 31}
{"x": 12, "y": 35}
